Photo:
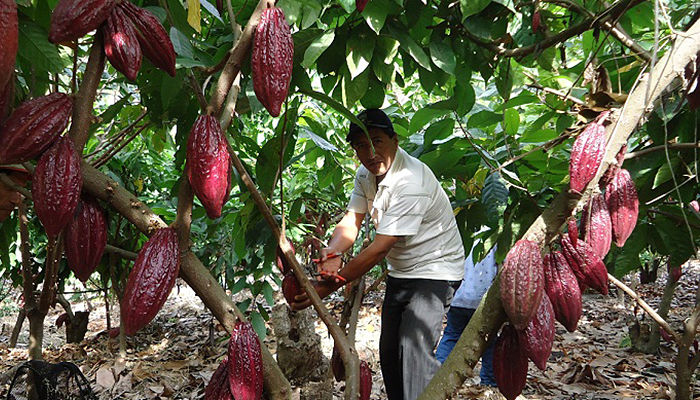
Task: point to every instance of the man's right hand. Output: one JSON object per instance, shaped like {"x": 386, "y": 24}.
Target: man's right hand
{"x": 329, "y": 264}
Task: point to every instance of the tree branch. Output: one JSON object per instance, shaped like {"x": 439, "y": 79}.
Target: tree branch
{"x": 80, "y": 126}
{"x": 129, "y": 255}
{"x": 671, "y": 146}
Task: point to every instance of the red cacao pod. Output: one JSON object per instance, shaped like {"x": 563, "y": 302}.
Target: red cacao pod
{"x": 360, "y": 5}
{"x": 56, "y": 185}
{"x": 597, "y": 226}
{"x": 114, "y": 332}
{"x": 365, "y": 380}
{"x": 218, "y": 387}
{"x": 121, "y": 43}
{"x": 208, "y": 164}
{"x": 539, "y": 334}
{"x": 573, "y": 230}
{"x": 73, "y": 19}
{"x": 7, "y": 96}
{"x": 337, "y": 366}
{"x": 154, "y": 40}
{"x": 33, "y": 127}
{"x": 290, "y": 287}
{"x": 586, "y": 155}
{"x": 536, "y": 21}
{"x": 563, "y": 290}
{"x": 586, "y": 265}
{"x": 509, "y": 363}
{"x": 522, "y": 282}
{"x": 151, "y": 280}
{"x": 8, "y": 40}
{"x": 245, "y": 369}
{"x": 85, "y": 238}
{"x": 623, "y": 204}
{"x": 273, "y": 49}
{"x": 282, "y": 262}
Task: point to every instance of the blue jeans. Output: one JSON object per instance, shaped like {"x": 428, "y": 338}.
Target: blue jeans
{"x": 457, "y": 320}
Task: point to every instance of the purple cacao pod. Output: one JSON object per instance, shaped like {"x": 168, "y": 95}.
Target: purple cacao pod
{"x": 539, "y": 334}
{"x": 563, "y": 290}
{"x": 586, "y": 155}
{"x": 586, "y": 265}
{"x": 33, "y": 127}
{"x": 73, "y": 19}
{"x": 121, "y": 44}
{"x": 151, "y": 280}
{"x": 365, "y": 380}
{"x": 85, "y": 238}
{"x": 8, "y": 40}
{"x": 154, "y": 40}
{"x": 522, "y": 282}
{"x": 623, "y": 204}
{"x": 218, "y": 388}
{"x": 56, "y": 185}
{"x": 245, "y": 369}
{"x": 596, "y": 225}
{"x": 509, "y": 363}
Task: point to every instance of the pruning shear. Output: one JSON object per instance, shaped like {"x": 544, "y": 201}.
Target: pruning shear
{"x": 330, "y": 275}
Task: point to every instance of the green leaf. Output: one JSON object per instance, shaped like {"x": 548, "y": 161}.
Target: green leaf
{"x": 471, "y": 7}
{"x": 675, "y": 236}
{"x": 374, "y": 96}
{"x": 359, "y": 50}
{"x": 375, "y": 14}
{"x": 442, "y": 55}
{"x": 504, "y": 79}
{"x": 511, "y": 121}
{"x": 423, "y": 116}
{"x": 664, "y": 174}
{"x": 409, "y": 45}
{"x": 465, "y": 97}
{"x": 111, "y": 112}
{"x": 354, "y": 89}
{"x": 258, "y": 324}
{"x": 484, "y": 119}
{"x": 181, "y": 43}
{"x": 316, "y": 48}
{"x": 439, "y": 130}
{"x": 494, "y": 196}
{"x": 337, "y": 106}
{"x": 36, "y": 49}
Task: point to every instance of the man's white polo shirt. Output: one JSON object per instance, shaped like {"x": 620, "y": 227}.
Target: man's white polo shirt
{"x": 409, "y": 202}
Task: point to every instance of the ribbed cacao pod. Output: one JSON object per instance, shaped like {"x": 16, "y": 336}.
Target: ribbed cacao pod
{"x": 563, "y": 290}
{"x": 596, "y": 225}
{"x": 623, "y": 204}
{"x": 245, "y": 369}
{"x": 7, "y": 95}
{"x": 337, "y": 366}
{"x": 573, "y": 230}
{"x": 273, "y": 49}
{"x": 282, "y": 263}
{"x": 154, "y": 40}
{"x": 121, "y": 44}
{"x": 360, "y": 5}
{"x": 290, "y": 287}
{"x": 33, "y": 127}
{"x": 73, "y": 19}
{"x": 539, "y": 335}
{"x": 218, "y": 387}
{"x": 8, "y": 40}
{"x": 151, "y": 280}
{"x": 586, "y": 265}
{"x": 85, "y": 238}
{"x": 522, "y": 282}
{"x": 509, "y": 363}
{"x": 586, "y": 155}
{"x": 365, "y": 380}
{"x": 208, "y": 164}
{"x": 56, "y": 185}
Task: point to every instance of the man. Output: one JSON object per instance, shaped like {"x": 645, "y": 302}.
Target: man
{"x": 417, "y": 233}
{"x": 476, "y": 282}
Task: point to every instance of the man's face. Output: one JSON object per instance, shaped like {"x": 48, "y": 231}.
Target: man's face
{"x": 385, "y": 148}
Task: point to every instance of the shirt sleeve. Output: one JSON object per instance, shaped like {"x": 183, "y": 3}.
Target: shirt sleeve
{"x": 358, "y": 198}
{"x": 403, "y": 214}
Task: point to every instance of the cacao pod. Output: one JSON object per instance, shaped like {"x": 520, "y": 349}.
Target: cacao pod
{"x": 151, "y": 279}
{"x": 337, "y": 366}
{"x": 121, "y": 44}
{"x": 8, "y": 40}
{"x": 155, "y": 42}
{"x": 85, "y": 238}
{"x": 623, "y": 205}
{"x": 114, "y": 332}
{"x": 290, "y": 287}
{"x": 695, "y": 206}
{"x": 674, "y": 273}
{"x": 245, "y": 369}
{"x": 539, "y": 335}
{"x": 282, "y": 263}
{"x": 56, "y": 185}
{"x": 33, "y": 127}
{"x": 563, "y": 290}
{"x": 509, "y": 363}
{"x": 596, "y": 225}
{"x": 573, "y": 230}
{"x": 218, "y": 387}
{"x": 73, "y": 19}
{"x": 522, "y": 282}
{"x": 586, "y": 155}
{"x": 7, "y": 95}
{"x": 365, "y": 380}
{"x": 586, "y": 265}
{"x": 271, "y": 61}
{"x": 360, "y": 5}
{"x": 208, "y": 164}
{"x": 536, "y": 21}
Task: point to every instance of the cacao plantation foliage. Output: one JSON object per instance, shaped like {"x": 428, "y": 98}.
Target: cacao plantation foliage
{"x": 506, "y": 101}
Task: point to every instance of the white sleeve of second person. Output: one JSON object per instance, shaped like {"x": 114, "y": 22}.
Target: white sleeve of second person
{"x": 476, "y": 282}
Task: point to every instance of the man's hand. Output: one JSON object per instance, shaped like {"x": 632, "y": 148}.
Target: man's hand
{"x": 328, "y": 265}
{"x": 323, "y": 288}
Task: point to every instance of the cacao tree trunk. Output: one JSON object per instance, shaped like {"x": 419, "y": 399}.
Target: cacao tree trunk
{"x": 21, "y": 316}
{"x": 36, "y": 334}
{"x": 489, "y": 316}
{"x": 650, "y": 343}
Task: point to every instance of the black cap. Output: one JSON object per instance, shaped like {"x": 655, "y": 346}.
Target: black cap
{"x": 372, "y": 118}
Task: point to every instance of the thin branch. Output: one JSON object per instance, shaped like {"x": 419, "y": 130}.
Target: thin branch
{"x": 650, "y": 311}
{"x": 671, "y": 146}
{"x": 555, "y": 92}
{"x": 28, "y": 284}
{"x": 544, "y": 147}
{"x": 117, "y": 137}
{"x": 108, "y": 156}
{"x": 476, "y": 148}
{"x": 12, "y": 185}
{"x": 129, "y": 255}
{"x": 672, "y": 216}
{"x": 80, "y": 124}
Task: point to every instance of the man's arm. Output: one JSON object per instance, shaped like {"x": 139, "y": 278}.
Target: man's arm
{"x": 345, "y": 233}
{"x": 358, "y": 266}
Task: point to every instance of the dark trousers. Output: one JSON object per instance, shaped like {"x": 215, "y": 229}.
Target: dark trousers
{"x": 412, "y": 315}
